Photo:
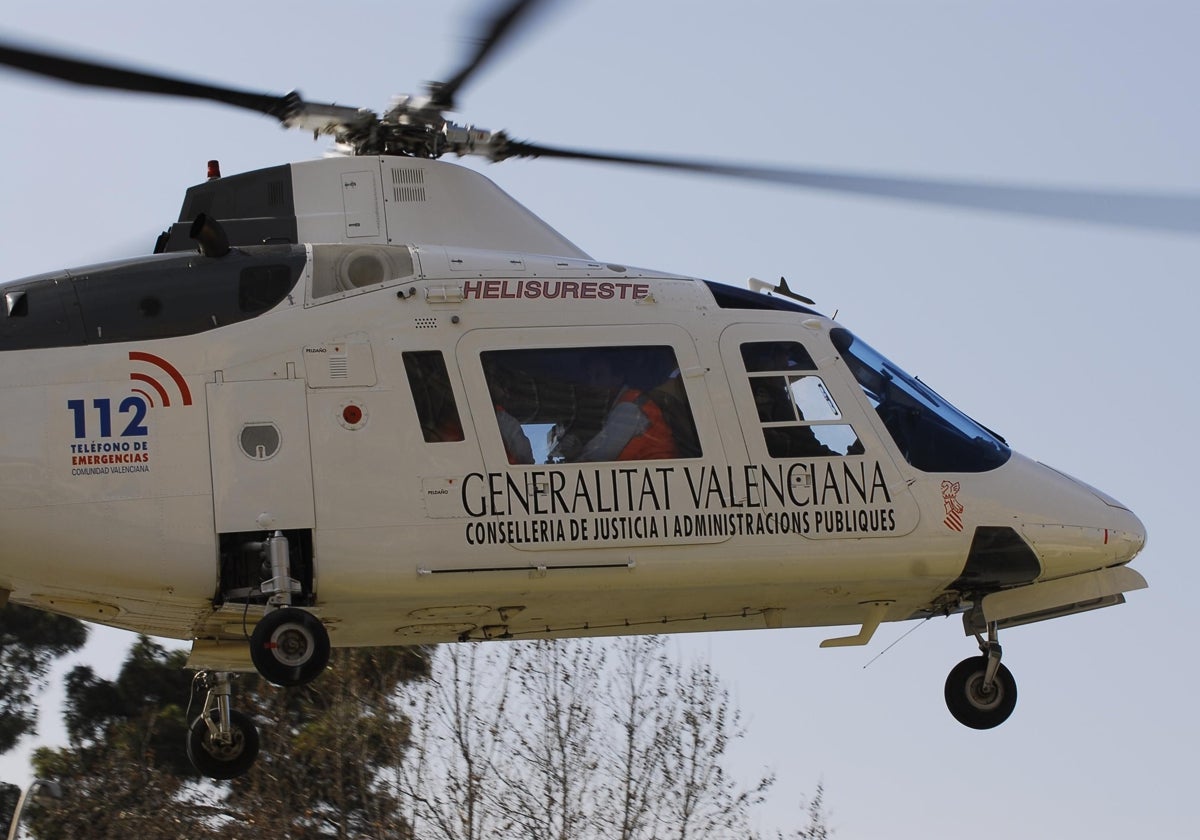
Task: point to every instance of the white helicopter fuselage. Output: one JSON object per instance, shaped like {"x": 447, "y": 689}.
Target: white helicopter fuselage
{"x": 140, "y": 470}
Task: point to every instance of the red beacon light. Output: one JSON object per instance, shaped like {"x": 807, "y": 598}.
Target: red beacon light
{"x": 214, "y": 170}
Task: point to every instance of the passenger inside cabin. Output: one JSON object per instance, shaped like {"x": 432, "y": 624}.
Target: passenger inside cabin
{"x": 634, "y": 428}
{"x": 517, "y": 447}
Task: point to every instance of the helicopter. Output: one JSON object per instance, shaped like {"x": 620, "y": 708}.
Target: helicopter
{"x": 369, "y": 400}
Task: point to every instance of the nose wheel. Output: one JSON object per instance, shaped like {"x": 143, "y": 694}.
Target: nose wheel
{"x": 980, "y": 692}
{"x": 222, "y": 742}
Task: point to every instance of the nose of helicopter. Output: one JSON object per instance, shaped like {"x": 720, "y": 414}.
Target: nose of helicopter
{"x": 1130, "y": 539}
{"x": 1069, "y": 549}
{"x": 1088, "y": 529}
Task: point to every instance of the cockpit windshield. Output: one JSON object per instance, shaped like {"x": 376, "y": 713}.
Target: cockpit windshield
{"x": 932, "y": 435}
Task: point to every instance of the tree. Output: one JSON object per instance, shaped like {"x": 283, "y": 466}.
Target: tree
{"x": 127, "y": 771}
{"x": 639, "y": 706}
{"x": 10, "y": 794}
{"x": 818, "y": 820}
{"x": 447, "y": 778}
{"x": 125, "y": 766}
{"x": 29, "y": 641}
{"x": 568, "y": 746}
{"x": 551, "y": 741}
{"x": 702, "y": 800}
{"x": 326, "y": 748}
{"x": 557, "y": 740}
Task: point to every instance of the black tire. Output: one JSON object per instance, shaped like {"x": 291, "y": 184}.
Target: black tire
{"x": 290, "y": 647}
{"x": 973, "y": 707}
{"x": 223, "y": 761}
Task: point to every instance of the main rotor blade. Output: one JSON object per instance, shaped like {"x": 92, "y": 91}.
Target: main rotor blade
{"x": 96, "y": 74}
{"x": 1176, "y": 212}
{"x": 493, "y": 33}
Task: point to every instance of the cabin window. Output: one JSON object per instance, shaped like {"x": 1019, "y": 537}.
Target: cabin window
{"x": 433, "y": 396}
{"x": 589, "y": 404}
{"x": 799, "y": 417}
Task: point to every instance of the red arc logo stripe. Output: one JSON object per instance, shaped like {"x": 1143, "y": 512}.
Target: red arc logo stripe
{"x": 166, "y": 367}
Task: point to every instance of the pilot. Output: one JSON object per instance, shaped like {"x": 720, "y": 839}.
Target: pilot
{"x": 634, "y": 428}
{"x": 773, "y": 399}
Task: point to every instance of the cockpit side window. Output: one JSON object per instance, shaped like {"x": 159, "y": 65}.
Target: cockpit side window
{"x": 932, "y": 435}
{"x": 437, "y": 410}
{"x": 590, "y": 404}
{"x": 799, "y": 417}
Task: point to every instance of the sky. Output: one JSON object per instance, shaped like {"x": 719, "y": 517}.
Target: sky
{"x": 1069, "y": 340}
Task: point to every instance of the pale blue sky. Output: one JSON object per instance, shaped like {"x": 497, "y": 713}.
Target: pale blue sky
{"x": 1068, "y": 340}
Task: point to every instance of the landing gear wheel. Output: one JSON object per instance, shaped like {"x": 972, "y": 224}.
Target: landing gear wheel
{"x": 222, "y": 760}
{"x": 290, "y": 647}
{"x": 975, "y": 706}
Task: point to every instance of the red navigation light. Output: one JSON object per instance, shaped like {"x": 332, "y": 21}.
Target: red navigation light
{"x": 214, "y": 169}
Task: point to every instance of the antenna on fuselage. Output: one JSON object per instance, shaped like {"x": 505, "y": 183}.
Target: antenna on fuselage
{"x": 782, "y": 289}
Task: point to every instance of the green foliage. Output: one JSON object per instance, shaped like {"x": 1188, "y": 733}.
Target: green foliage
{"x": 551, "y": 741}
{"x": 29, "y": 642}
{"x": 141, "y": 710}
{"x": 324, "y": 747}
{"x": 114, "y": 793}
{"x": 125, "y": 766}
{"x": 9, "y": 796}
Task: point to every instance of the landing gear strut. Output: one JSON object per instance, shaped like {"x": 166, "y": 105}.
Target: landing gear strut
{"x": 289, "y": 646}
{"x": 222, "y": 743}
{"x": 980, "y": 692}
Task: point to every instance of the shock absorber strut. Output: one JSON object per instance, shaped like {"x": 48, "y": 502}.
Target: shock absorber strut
{"x": 281, "y": 586}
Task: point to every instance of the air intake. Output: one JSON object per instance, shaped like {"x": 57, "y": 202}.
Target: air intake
{"x": 408, "y": 185}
